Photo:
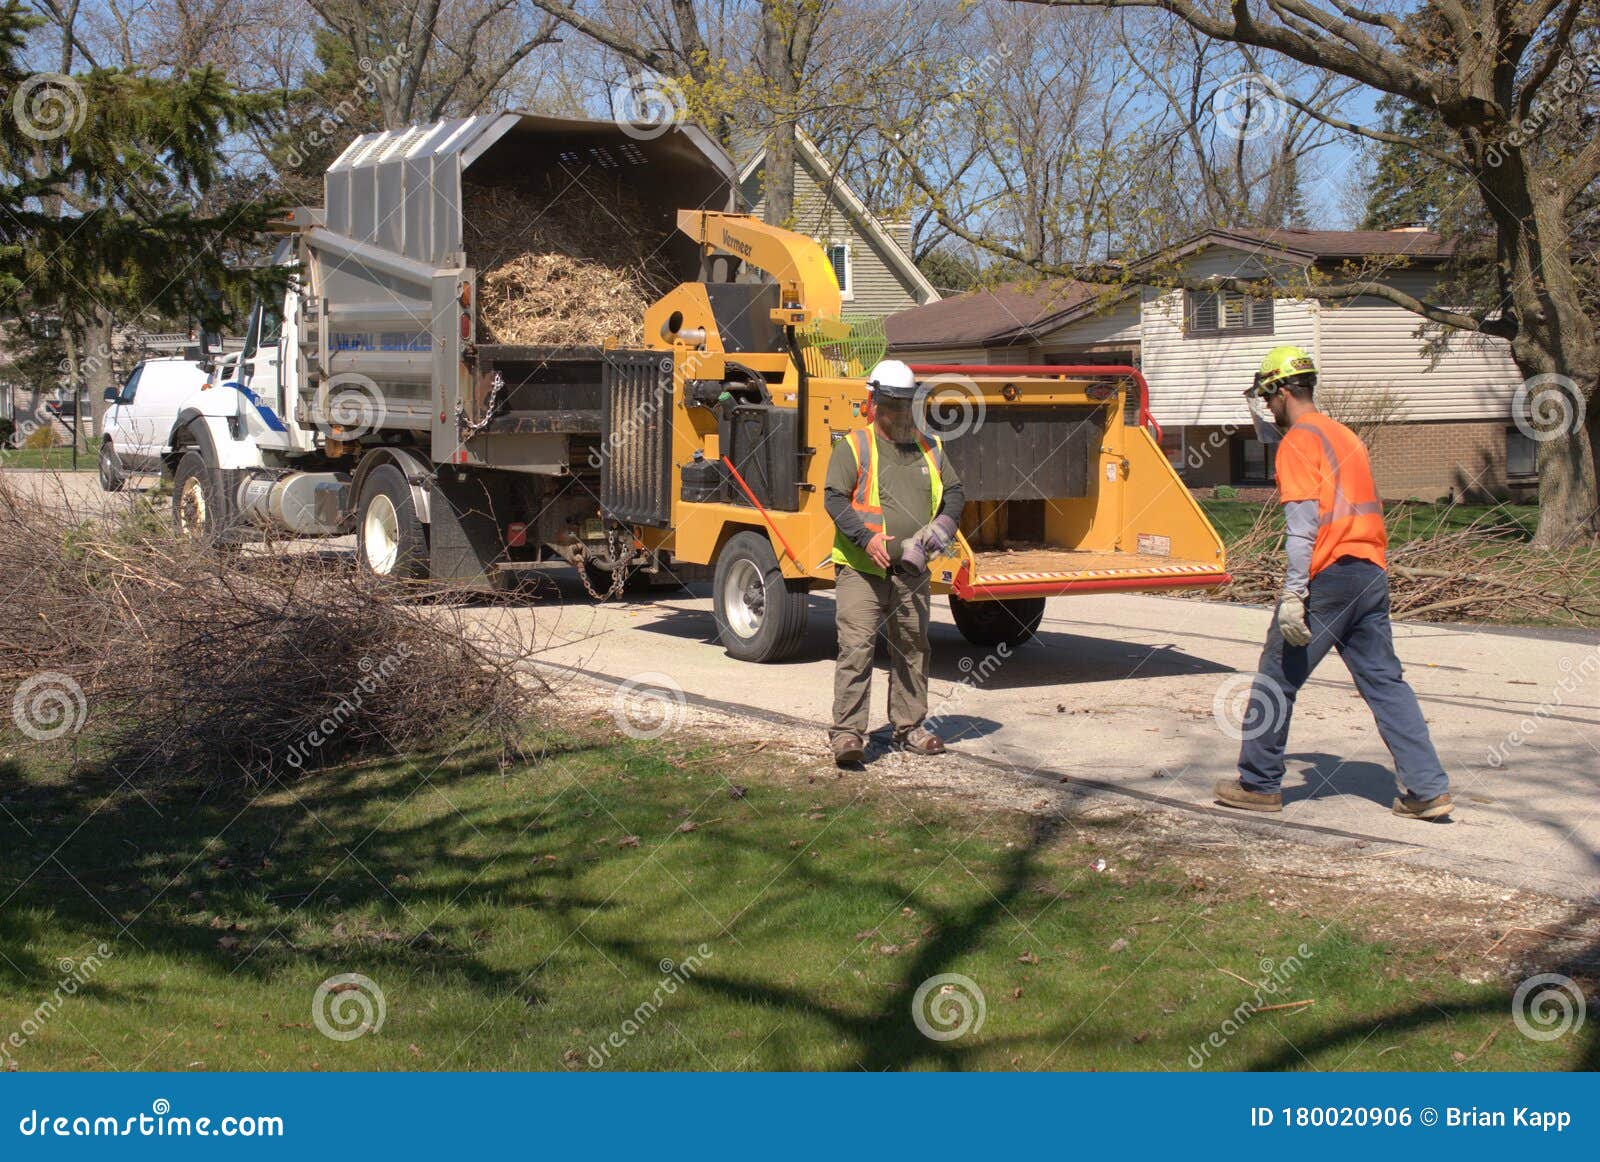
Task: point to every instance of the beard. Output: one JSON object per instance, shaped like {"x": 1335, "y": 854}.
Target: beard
{"x": 897, "y": 425}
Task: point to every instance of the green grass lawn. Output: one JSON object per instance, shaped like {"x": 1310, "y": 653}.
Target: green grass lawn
{"x": 56, "y": 457}
{"x": 526, "y": 918}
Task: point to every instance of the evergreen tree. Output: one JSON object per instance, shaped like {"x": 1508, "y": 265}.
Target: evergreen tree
{"x": 111, "y": 201}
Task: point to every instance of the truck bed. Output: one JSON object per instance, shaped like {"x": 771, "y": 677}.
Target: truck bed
{"x": 996, "y": 574}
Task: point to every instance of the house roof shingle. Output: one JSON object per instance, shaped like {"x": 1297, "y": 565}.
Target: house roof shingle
{"x": 1338, "y": 244}
{"x": 991, "y": 314}
{"x": 1011, "y": 311}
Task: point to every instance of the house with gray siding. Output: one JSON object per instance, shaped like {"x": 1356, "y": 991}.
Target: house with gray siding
{"x": 871, "y": 259}
{"x": 1435, "y": 409}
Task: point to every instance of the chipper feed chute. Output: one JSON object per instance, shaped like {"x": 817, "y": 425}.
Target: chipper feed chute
{"x": 1062, "y": 495}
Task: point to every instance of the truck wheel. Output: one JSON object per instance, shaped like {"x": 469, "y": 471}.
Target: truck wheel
{"x": 761, "y": 616}
{"x": 203, "y": 508}
{"x": 111, "y": 477}
{"x": 995, "y": 623}
{"x": 391, "y": 541}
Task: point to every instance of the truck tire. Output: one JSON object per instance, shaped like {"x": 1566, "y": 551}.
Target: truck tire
{"x": 391, "y": 540}
{"x": 761, "y": 615}
{"x": 111, "y": 477}
{"x": 996, "y": 623}
{"x": 204, "y": 508}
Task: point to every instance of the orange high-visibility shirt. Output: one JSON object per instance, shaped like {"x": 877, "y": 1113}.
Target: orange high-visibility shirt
{"x": 1322, "y": 460}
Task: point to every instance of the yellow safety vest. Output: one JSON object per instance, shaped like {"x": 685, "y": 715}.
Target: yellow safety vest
{"x": 865, "y": 500}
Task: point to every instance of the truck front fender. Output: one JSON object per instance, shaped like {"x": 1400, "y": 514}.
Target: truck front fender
{"x": 213, "y": 437}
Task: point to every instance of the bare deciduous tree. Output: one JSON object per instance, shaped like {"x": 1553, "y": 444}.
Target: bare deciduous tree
{"x": 430, "y": 57}
{"x": 1494, "y": 72}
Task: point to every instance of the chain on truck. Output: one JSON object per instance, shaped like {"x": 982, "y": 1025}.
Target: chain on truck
{"x": 364, "y": 402}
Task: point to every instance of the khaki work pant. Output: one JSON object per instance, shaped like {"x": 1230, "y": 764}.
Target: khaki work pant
{"x": 897, "y": 605}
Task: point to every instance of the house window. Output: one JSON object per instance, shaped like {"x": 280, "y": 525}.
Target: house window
{"x": 839, "y": 258}
{"x": 1259, "y": 461}
{"x": 1218, "y": 312}
{"x": 1522, "y": 454}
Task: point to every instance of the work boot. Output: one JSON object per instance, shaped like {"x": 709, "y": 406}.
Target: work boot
{"x": 1437, "y": 807}
{"x": 919, "y": 740}
{"x": 848, "y": 749}
{"x": 1233, "y": 793}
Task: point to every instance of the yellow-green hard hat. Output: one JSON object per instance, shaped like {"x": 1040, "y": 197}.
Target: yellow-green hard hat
{"x": 1283, "y": 363}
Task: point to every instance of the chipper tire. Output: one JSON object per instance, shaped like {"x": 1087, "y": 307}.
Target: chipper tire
{"x": 391, "y": 540}
{"x": 204, "y": 509}
{"x": 996, "y": 623}
{"x": 761, "y": 616}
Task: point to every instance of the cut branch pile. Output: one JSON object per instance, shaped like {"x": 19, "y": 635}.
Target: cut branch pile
{"x": 1485, "y": 571}
{"x": 564, "y": 263}
{"x": 165, "y": 661}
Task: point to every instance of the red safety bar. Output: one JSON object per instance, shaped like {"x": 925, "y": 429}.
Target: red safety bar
{"x": 967, "y": 591}
{"x": 1076, "y": 370}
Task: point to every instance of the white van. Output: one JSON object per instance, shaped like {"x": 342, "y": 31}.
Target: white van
{"x": 140, "y": 417}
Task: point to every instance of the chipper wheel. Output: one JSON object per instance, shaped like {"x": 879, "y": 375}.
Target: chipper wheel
{"x": 761, "y": 616}
{"x": 994, "y": 623}
{"x": 391, "y": 540}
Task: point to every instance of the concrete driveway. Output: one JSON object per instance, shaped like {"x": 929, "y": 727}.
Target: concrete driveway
{"x": 1141, "y": 696}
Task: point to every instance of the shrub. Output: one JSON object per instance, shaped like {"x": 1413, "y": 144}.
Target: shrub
{"x": 1225, "y": 492}
{"x": 44, "y": 436}
{"x": 181, "y": 662}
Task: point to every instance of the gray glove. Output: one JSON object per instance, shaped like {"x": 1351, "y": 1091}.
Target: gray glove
{"x": 928, "y": 541}
{"x": 1292, "y": 619}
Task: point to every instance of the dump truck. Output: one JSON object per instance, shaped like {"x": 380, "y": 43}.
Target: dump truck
{"x": 366, "y": 402}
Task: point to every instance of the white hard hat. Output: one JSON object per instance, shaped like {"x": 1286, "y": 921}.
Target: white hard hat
{"x": 893, "y": 379}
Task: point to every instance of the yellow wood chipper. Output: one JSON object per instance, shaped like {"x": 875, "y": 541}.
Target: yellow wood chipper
{"x": 717, "y": 441}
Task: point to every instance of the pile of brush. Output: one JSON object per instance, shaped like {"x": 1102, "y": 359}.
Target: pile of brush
{"x": 160, "y": 660}
{"x": 564, "y": 262}
{"x": 1482, "y": 571}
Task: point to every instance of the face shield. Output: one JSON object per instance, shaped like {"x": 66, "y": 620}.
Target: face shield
{"x": 895, "y": 421}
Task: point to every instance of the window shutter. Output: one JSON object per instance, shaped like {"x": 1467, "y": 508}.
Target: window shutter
{"x": 836, "y": 256}
{"x": 1261, "y": 314}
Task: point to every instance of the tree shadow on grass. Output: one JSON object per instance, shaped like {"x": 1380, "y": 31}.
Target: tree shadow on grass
{"x": 162, "y": 866}
{"x": 225, "y": 879}
{"x": 886, "y": 1036}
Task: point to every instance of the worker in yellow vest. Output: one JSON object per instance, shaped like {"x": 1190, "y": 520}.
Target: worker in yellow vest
{"x": 895, "y": 502}
{"x": 1335, "y": 597}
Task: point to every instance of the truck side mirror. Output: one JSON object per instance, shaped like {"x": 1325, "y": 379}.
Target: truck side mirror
{"x": 110, "y": 395}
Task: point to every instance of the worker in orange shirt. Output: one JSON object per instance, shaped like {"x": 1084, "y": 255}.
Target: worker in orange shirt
{"x": 1335, "y": 596}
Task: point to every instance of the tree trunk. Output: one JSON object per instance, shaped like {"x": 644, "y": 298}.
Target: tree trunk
{"x": 97, "y": 372}
{"x": 1555, "y": 347}
{"x": 778, "y": 173}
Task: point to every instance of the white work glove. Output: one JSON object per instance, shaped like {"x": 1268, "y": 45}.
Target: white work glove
{"x": 1261, "y": 418}
{"x": 1292, "y": 619}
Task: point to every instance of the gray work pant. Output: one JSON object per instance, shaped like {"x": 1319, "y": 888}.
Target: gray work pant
{"x": 1347, "y": 610}
{"x": 898, "y": 605}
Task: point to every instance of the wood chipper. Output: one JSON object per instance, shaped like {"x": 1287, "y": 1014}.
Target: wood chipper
{"x": 716, "y": 443}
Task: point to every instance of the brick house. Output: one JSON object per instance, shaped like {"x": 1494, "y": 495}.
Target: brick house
{"x": 871, "y": 258}
{"x": 1438, "y": 420}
